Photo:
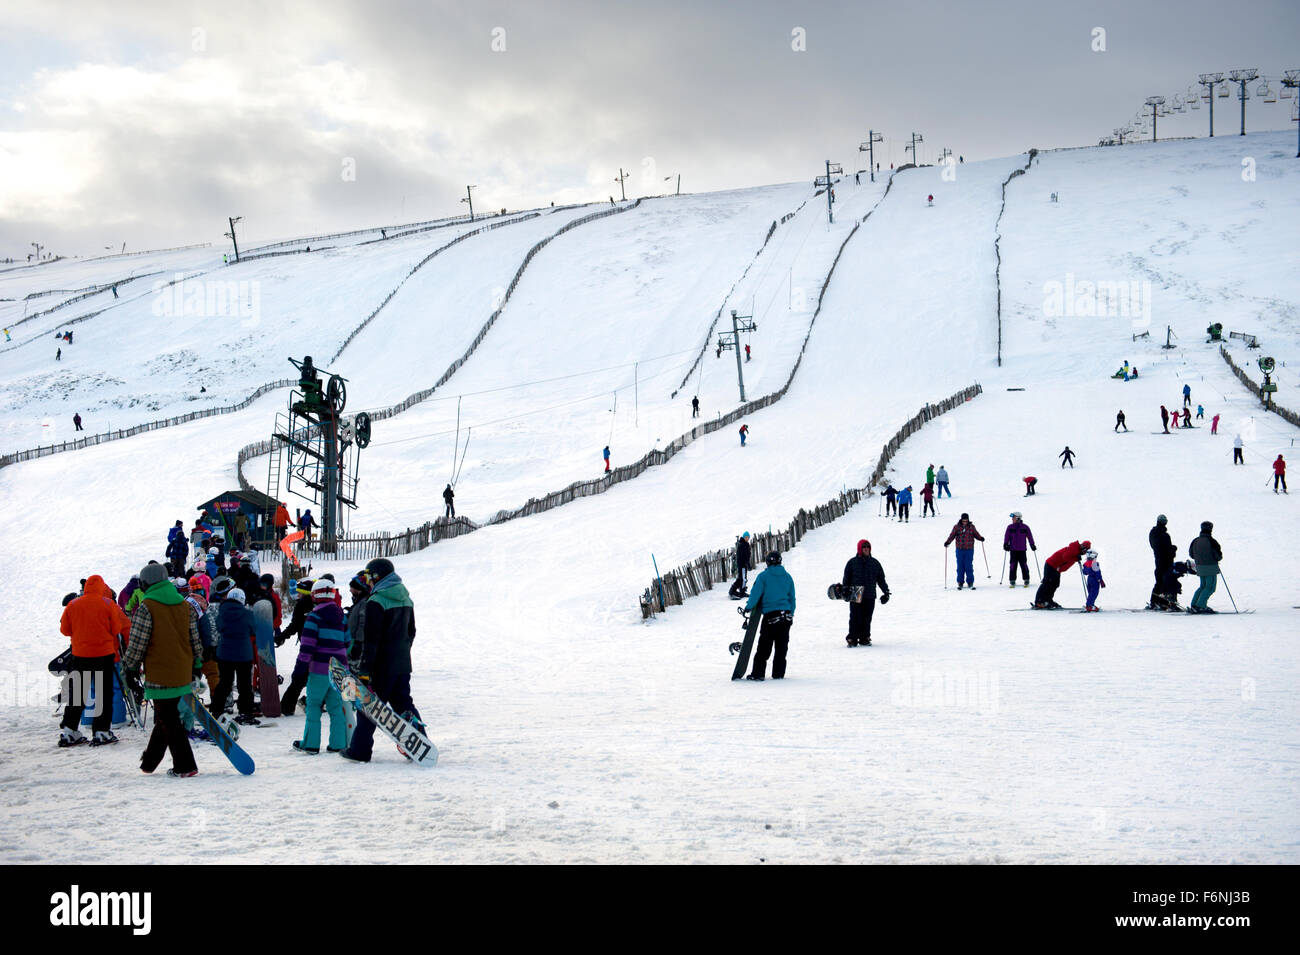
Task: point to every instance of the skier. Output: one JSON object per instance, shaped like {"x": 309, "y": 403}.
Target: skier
{"x": 1170, "y": 588}
{"x": 1187, "y": 396}
{"x": 1164, "y": 418}
{"x": 1237, "y": 445}
{"x": 965, "y": 534}
{"x": 1030, "y": 483}
{"x": 1187, "y": 417}
{"x": 7, "y": 338}
{"x": 165, "y": 641}
{"x": 115, "y": 295}
{"x": 773, "y": 597}
{"x": 1062, "y": 560}
{"x": 1014, "y": 541}
{"x": 93, "y": 621}
{"x": 606, "y": 454}
{"x": 282, "y": 521}
{"x": 1164, "y": 551}
{"x": 929, "y": 200}
{"x": 927, "y": 500}
{"x": 1279, "y": 474}
{"x": 863, "y": 571}
{"x": 891, "y": 501}
{"x": 1206, "y": 554}
{"x": 76, "y": 421}
{"x": 58, "y": 355}
{"x": 744, "y": 433}
{"x": 695, "y": 407}
{"x": 324, "y": 638}
{"x": 905, "y": 504}
{"x": 1068, "y": 458}
{"x": 1200, "y": 412}
{"x": 738, "y": 589}
{"x": 1214, "y": 425}
{"x": 386, "y": 654}
{"x": 1119, "y": 421}
{"x": 449, "y": 496}
{"x": 305, "y": 524}
{"x": 1092, "y": 574}
{"x": 235, "y": 637}
{"x": 942, "y": 477}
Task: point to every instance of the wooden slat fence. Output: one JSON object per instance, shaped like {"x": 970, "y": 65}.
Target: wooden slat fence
{"x": 1254, "y": 387}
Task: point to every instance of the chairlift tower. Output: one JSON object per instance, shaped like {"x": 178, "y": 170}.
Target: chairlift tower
{"x": 1155, "y": 102}
{"x": 1208, "y": 80}
{"x": 731, "y": 340}
{"x": 916, "y": 138}
{"x": 1241, "y": 78}
{"x": 832, "y": 168}
{"x": 873, "y": 137}
{"x": 1291, "y": 81}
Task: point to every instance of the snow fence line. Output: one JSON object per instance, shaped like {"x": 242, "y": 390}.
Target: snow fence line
{"x": 125, "y": 255}
{"x": 107, "y": 436}
{"x": 720, "y": 567}
{"x": 1246, "y": 380}
{"x": 997, "y": 241}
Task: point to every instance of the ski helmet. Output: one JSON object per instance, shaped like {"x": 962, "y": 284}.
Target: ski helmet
{"x": 236, "y": 594}
{"x": 360, "y": 583}
{"x": 773, "y": 559}
{"x": 323, "y": 590}
{"x": 1091, "y": 555}
{"x": 1016, "y": 514}
{"x": 379, "y": 568}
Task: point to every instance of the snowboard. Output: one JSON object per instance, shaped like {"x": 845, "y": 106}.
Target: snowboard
{"x": 840, "y": 592}
{"x": 411, "y": 743}
{"x": 225, "y": 742}
{"x": 269, "y": 681}
{"x": 744, "y": 648}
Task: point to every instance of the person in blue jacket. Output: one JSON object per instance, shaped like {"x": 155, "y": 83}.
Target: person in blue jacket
{"x": 235, "y": 635}
{"x": 773, "y": 596}
{"x": 1187, "y": 395}
{"x": 905, "y": 504}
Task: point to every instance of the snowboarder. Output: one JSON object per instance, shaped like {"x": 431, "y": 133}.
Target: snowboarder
{"x": 1014, "y": 540}
{"x": 965, "y": 534}
{"x": 1164, "y": 418}
{"x": 1279, "y": 474}
{"x": 93, "y": 622}
{"x": 606, "y": 455}
{"x": 236, "y": 634}
{"x": 773, "y": 597}
{"x": 385, "y": 664}
{"x": 1214, "y": 425}
{"x": 76, "y": 421}
{"x": 941, "y": 477}
{"x": 927, "y": 500}
{"x": 1062, "y": 560}
{"x": 1067, "y": 457}
{"x": 744, "y": 433}
{"x": 324, "y": 637}
{"x": 1237, "y": 457}
{"x": 864, "y": 571}
{"x": 1187, "y": 396}
{"x": 165, "y": 641}
{"x": 1030, "y": 483}
{"x": 1093, "y": 578}
{"x": 1164, "y": 551}
{"x": 1206, "y": 554}
{"x": 115, "y": 291}
{"x": 7, "y": 338}
{"x": 356, "y": 617}
{"x": 1119, "y": 421}
{"x": 739, "y": 588}
{"x": 449, "y": 496}
{"x": 695, "y": 407}
{"x": 891, "y": 501}
{"x": 905, "y": 504}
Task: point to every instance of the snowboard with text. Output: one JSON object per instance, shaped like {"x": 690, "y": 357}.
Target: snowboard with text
{"x": 412, "y": 743}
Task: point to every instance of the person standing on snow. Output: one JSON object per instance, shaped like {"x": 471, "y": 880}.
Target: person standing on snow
{"x": 1031, "y": 482}
{"x": 1119, "y": 421}
{"x": 236, "y": 634}
{"x": 1279, "y": 474}
{"x": 1187, "y": 396}
{"x": 695, "y": 407}
{"x": 1237, "y": 457}
{"x": 891, "y": 500}
{"x": 1015, "y": 539}
{"x": 927, "y": 500}
{"x": 941, "y": 477}
{"x": 1164, "y": 551}
{"x": 863, "y": 571}
{"x": 76, "y": 422}
{"x": 929, "y": 474}
{"x": 1057, "y": 564}
{"x": 606, "y": 455}
{"x": 1164, "y": 418}
{"x": 449, "y": 496}
{"x": 1094, "y": 581}
{"x": 738, "y": 589}
{"x": 1200, "y": 412}
{"x": 965, "y": 534}
{"x": 773, "y": 597}
{"x": 324, "y": 638}
{"x": 744, "y": 433}
{"x": 178, "y": 548}
{"x": 1068, "y": 458}
{"x": 93, "y": 622}
{"x": 905, "y": 504}
{"x": 1214, "y": 425}
{"x": 1206, "y": 554}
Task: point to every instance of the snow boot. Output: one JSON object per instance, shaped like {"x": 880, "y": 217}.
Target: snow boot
{"x": 755, "y": 678}
{"x": 103, "y": 738}
{"x": 313, "y": 750}
{"x": 349, "y": 755}
{"x": 248, "y": 720}
{"x": 852, "y": 641}
{"x": 69, "y": 738}
{"x": 960, "y": 586}
{"x": 175, "y": 775}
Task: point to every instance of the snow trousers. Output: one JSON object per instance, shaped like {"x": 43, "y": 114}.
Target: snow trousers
{"x": 927, "y": 506}
{"x": 943, "y": 487}
{"x": 1018, "y": 559}
{"x": 891, "y": 507}
{"x": 904, "y": 512}
{"x": 1276, "y": 478}
{"x": 1093, "y": 590}
{"x": 230, "y": 674}
{"x": 1047, "y": 589}
{"x": 1209, "y": 581}
{"x": 860, "y": 619}
{"x": 1236, "y": 456}
{"x": 1158, "y": 591}
{"x": 321, "y": 691}
{"x": 168, "y": 736}
{"x": 773, "y": 635}
{"x": 966, "y": 565}
{"x": 82, "y": 673}
{"x": 395, "y": 690}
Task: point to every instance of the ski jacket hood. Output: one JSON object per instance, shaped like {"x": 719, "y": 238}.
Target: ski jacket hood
{"x": 94, "y": 620}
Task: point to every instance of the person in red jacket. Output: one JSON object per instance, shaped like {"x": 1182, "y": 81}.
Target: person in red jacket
{"x": 1062, "y": 560}
{"x": 927, "y": 496}
{"x": 93, "y": 621}
{"x": 1279, "y": 474}
{"x": 282, "y": 521}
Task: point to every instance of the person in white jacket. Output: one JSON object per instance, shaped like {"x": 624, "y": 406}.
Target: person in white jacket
{"x": 1236, "y": 451}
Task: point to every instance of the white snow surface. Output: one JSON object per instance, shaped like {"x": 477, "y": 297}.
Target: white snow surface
{"x": 572, "y": 731}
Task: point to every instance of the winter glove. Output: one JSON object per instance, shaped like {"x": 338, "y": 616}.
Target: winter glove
{"x": 1006, "y": 547}
{"x": 884, "y": 599}
{"x": 1033, "y": 548}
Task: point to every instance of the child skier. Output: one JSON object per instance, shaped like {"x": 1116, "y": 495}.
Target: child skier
{"x": 927, "y": 498}
{"x": 324, "y": 638}
{"x": 891, "y": 501}
{"x": 1092, "y": 575}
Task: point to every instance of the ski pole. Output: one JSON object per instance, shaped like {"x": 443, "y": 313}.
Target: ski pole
{"x": 987, "y": 573}
{"x": 1229, "y": 590}
{"x": 1038, "y": 565}
{"x": 1004, "y": 568}
{"x": 945, "y": 568}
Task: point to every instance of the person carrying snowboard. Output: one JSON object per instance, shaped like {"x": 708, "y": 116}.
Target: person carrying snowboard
{"x": 738, "y": 589}
{"x": 1058, "y": 563}
{"x": 449, "y": 496}
{"x": 1164, "y": 551}
{"x": 1119, "y": 421}
{"x": 1093, "y": 580}
{"x": 863, "y": 571}
{"x": 92, "y": 622}
{"x": 605, "y": 453}
{"x": 927, "y": 500}
{"x": 891, "y": 501}
{"x": 1206, "y": 554}
{"x": 1030, "y": 483}
{"x": 385, "y": 664}
{"x": 905, "y": 504}
{"x": 1279, "y": 474}
{"x": 773, "y": 597}
{"x": 744, "y": 433}
{"x": 324, "y": 638}
{"x": 1015, "y": 539}
{"x": 1164, "y": 418}
{"x": 965, "y": 534}
{"x": 1067, "y": 457}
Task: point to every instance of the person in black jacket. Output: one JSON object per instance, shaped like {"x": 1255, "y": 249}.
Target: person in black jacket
{"x": 298, "y": 679}
{"x": 1164, "y": 552}
{"x": 741, "y": 587}
{"x": 864, "y": 571}
{"x": 449, "y": 496}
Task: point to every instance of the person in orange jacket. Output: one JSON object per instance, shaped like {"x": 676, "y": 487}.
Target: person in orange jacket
{"x": 93, "y": 622}
{"x": 282, "y": 521}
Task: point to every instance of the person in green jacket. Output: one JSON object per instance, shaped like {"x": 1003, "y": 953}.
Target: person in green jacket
{"x": 773, "y": 596}
{"x": 929, "y": 475}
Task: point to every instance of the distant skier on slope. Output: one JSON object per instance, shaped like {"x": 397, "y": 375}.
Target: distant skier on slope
{"x": 1164, "y": 418}
{"x": 965, "y": 534}
{"x": 1062, "y": 560}
{"x": 695, "y": 407}
{"x": 605, "y": 453}
{"x": 1015, "y": 539}
{"x": 905, "y": 504}
{"x": 927, "y": 500}
{"x": 941, "y": 481}
{"x": 1031, "y": 482}
{"x": 1187, "y": 395}
{"x": 744, "y": 433}
{"x": 1067, "y": 457}
{"x": 891, "y": 501}
{"x": 1214, "y": 425}
{"x": 1279, "y": 474}
{"x": 864, "y": 571}
{"x": 1119, "y": 421}
{"x": 1237, "y": 445}
{"x": 449, "y": 496}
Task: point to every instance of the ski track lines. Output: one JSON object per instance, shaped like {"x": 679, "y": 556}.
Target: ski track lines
{"x": 966, "y": 734}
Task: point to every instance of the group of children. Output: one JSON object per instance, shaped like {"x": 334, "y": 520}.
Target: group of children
{"x": 898, "y": 504}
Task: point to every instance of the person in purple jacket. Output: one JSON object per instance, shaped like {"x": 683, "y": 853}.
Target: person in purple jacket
{"x": 1013, "y": 541}
{"x": 324, "y": 638}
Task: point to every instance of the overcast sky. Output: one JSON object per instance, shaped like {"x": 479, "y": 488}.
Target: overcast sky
{"x": 149, "y": 122}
